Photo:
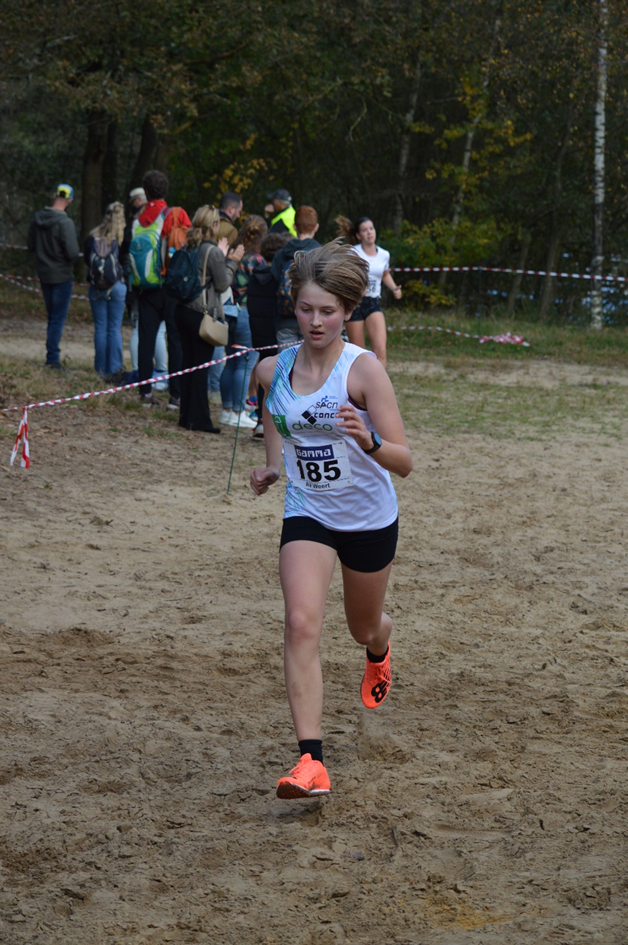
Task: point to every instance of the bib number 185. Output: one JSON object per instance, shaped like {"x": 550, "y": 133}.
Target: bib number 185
{"x": 312, "y": 470}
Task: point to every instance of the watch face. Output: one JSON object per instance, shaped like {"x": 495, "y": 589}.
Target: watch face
{"x": 377, "y": 440}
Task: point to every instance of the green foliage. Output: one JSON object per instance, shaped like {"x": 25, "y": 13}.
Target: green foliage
{"x": 440, "y": 243}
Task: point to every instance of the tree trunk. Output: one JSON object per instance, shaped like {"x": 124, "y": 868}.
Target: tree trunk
{"x": 547, "y": 293}
{"x": 93, "y": 160}
{"x": 146, "y": 156}
{"x": 468, "y": 148}
{"x": 404, "y": 149}
{"x": 516, "y": 285}
{"x": 598, "y": 200}
{"x": 110, "y": 190}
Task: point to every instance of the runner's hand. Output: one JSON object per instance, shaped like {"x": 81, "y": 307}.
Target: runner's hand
{"x": 353, "y": 424}
{"x": 262, "y": 477}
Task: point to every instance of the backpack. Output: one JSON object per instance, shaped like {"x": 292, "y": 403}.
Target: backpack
{"x": 285, "y": 305}
{"x": 176, "y": 238}
{"x": 182, "y": 281}
{"x": 104, "y": 264}
{"x": 145, "y": 253}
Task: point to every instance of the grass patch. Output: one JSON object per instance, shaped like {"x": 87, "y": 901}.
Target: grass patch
{"x": 608, "y": 347}
{"x": 455, "y": 403}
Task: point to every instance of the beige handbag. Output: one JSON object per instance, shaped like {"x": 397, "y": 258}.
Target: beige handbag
{"x": 213, "y": 328}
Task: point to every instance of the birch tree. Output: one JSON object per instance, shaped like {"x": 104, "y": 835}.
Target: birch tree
{"x": 598, "y": 175}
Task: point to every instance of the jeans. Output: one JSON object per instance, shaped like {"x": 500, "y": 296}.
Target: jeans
{"x": 108, "y": 309}
{"x": 57, "y": 298}
{"x": 234, "y": 380}
{"x": 213, "y": 373}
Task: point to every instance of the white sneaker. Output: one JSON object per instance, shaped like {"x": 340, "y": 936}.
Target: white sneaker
{"x": 243, "y": 421}
{"x": 258, "y": 432}
{"x": 227, "y": 416}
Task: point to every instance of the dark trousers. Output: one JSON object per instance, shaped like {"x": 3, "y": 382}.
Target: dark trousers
{"x": 57, "y": 298}
{"x": 154, "y": 307}
{"x": 194, "y": 414}
{"x": 262, "y": 333}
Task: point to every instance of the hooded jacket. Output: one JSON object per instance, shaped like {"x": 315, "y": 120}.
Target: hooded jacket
{"x": 282, "y": 258}
{"x": 52, "y": 237}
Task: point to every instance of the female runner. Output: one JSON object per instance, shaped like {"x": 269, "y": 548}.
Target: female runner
{"x": 332, "y": 408}
{"x": 362, "y": 235}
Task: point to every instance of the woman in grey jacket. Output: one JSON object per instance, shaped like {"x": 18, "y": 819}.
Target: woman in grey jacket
{"x": 221, "y": 268}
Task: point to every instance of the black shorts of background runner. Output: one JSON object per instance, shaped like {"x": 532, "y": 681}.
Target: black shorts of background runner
{"x": 360, "y": 551}
{"x": 366, "y": 307}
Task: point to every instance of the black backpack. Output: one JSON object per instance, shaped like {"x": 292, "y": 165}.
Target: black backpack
{"x": 104, "y": 264}
{"x": 182, "y": 281}
{"x": 285, "y": 305}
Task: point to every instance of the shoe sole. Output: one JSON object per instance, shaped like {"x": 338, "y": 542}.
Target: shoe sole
{"x": 288, "y": 791}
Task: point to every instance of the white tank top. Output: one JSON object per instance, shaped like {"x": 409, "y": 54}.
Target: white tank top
{"x": 330, "y": 478}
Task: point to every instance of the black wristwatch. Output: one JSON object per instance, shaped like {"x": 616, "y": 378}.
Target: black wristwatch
{"x": 377, "y": 442}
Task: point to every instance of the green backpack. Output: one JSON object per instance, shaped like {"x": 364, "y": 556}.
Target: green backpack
{"x": 145, "y": 254}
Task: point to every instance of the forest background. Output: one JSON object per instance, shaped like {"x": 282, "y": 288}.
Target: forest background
{"x": 465, "y": 128}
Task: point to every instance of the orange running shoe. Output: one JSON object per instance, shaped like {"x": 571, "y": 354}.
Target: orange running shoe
{"x": 308, "y": 778}
{"x": 376, "y": 682}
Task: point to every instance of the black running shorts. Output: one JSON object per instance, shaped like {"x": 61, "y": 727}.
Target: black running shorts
{"x": 359, "y": 551}
{"x": 367, "y": 306}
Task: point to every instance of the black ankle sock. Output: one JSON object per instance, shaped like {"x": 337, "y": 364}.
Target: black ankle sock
{"x": 313, "y": 747}
{"x": 376, "y": 659}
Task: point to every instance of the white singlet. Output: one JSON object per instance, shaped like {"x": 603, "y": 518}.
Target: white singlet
{"x": 330, "y": 478}
{"x": 378, "y": 264}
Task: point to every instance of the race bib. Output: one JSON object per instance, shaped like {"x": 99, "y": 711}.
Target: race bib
{"x": 319, "y": 468}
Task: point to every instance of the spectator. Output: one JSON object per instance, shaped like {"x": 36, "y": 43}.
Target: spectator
{"x": 52, "y": 237}
{"x": 306, "y": 222}
{"x": 107, "y": 292}
{"x": 234, "y": 380}
{"x": 262, "y": 306}
{"x": 230, "y": 209}
{"x": 154, "y": 306}
{"x": 219, "y": 273}
{"x": 281, "y": 212}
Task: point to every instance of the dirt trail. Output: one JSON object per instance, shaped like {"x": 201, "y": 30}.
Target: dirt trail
{"x": 144, "y": 721}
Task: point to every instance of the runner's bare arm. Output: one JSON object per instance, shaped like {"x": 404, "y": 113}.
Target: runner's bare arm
{"x": 388, "y": 280}
{"x": 369, "y": 386}
{"x": 262, "y": 477}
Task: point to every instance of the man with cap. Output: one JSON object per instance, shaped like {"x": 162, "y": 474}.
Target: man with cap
{"x": 52, "y": 237}
{"x": 281, "y": 212}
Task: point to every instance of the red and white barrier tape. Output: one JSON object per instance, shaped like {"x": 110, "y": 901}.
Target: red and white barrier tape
{"x": 505, "y": 339}
{"x": 6, "y": 275}
{"x": 22, "y": 433}
{"x": 12, "y": 246}
{"x": 31, "y": 288}
{"x": 520, "y": 272}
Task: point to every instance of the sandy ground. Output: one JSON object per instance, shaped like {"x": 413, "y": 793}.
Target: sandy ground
{"x": 144, "y": 721}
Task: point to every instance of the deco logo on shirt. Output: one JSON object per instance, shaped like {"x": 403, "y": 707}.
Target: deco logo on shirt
{"x": 321, "y": 468}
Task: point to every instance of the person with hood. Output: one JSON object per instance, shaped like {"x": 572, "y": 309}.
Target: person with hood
{"x": 52, "y": 237}
{"x": 306, "y": 223}
{"x": 262, "y": 305}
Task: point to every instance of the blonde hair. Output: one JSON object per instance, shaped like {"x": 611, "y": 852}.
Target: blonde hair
{"x": 336, "y": 268}
{"x": 203, "y": 225}
{"x": 112, "y": 224}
